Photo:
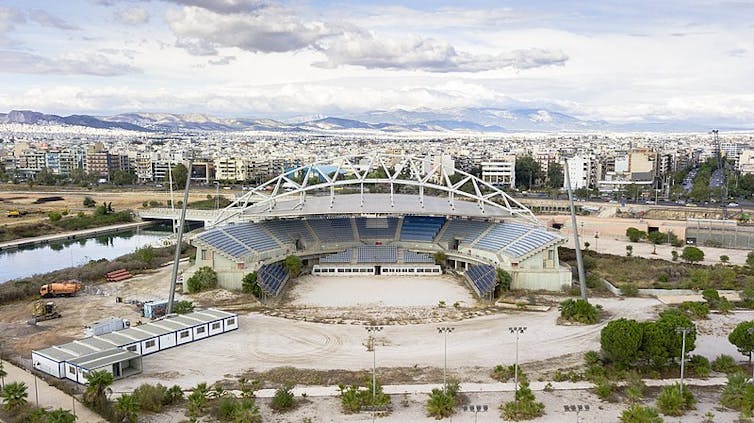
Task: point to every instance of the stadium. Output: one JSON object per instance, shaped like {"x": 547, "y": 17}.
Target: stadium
{"x": 381, "y": 214}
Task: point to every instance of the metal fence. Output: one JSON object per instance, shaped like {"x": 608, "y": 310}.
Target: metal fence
{"x": 720, "y": 233}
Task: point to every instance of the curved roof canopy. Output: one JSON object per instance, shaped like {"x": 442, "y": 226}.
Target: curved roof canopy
{"x": 404, "y": 184}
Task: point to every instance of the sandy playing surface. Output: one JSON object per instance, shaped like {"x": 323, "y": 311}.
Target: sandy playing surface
{"x": 396, "y": 291}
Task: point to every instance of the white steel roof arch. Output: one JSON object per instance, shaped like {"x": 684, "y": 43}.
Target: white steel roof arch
{"x": 376, "y": 168}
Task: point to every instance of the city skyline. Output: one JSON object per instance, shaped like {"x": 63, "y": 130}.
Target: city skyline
{"x": 637, "y": 63}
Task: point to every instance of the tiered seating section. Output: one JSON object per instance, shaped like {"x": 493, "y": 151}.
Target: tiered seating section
{"x": 414, "y": 257}
{"x": 271, "y": 278}
{"x": 341, "y": 257}
{"x": 377, "y": 254}
{"x": 377, "y": 228}
{"x": 421, "y": 228}
{"x": 514, "y": 239}
{"x": 332, "y": 230}
{"x": 482, "y": 276}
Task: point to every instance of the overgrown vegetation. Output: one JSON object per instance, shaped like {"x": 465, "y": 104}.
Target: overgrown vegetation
{"x": 249, "y": 285}
{"x": 293, "y": 265}
{"x": 205, "y": 278}
{"x": 354, "y": 397}
{"x": 579, "y": 310}
{"x": 442, "y": 402}
{"x": 283, "y": 399}
{"x": 673, "y": 401}
{"x": 524, "y": 406}
{"x": 637, "y": 413}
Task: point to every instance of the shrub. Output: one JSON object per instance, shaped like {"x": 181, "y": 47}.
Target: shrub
{"x": 578, "y": 311}
{"x": 711, "y": 295}
{"x": 629, "y": 250}
{"x": 503, "y": 279}
{"x": 605, "y": 389}
{"x": 725, "y": 364}
{"x": 700, "y": 365}
{"x": 621, "y": 340}
{"x": 54, "y": 216}
{"x": 634, "y": 235}
{"x": 724, "y": 259}
{"x": 735, "y": 390}
{"x": 694, "y": 310}
{"x": 692, "y": 254}
{"x": 635, "y": 387}
{"x": 674, "y": 255}
{"x": 672, "y": 402}
{"x": 503, "y": 373}
{"x": 183, "y": 307}
{"x": 742, "y": 339}
{"x": 440, "y": 404}
{"x": 283, "y": 399}
{"x": 353, "y": 397}
{"x": 88, "y": 202}
{"x": 150, "y": 397}
{"x": 637, "y": 413}
{"x": 249, "y": 285}
{"x": 592, "y": 357}
{"x": 204, "y": 278}
{"x": 292, "y": 265}
{"x": 629, "y": 290}
{"x": 525, "y": 407}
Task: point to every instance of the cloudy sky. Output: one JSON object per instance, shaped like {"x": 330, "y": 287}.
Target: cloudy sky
{"x": 621, "y": 61}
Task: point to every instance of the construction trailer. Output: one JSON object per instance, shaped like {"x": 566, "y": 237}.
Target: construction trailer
{"x": 120, "y": 352}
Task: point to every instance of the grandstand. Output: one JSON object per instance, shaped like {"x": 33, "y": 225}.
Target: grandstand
{"x": 375, "y": 233}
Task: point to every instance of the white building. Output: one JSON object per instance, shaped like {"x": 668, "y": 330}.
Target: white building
{"x": 500, "y": 172}
{"x": 579, "y": 172}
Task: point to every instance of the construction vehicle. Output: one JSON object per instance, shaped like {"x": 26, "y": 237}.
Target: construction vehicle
{"x": 44, "y": 311}
{"x": 57, "y": 289}
{"x": 14, "y": 213}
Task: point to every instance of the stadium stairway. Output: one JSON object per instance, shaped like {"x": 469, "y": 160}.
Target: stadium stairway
{"x": 441, "y": 232}
{"x": 398, "y": 228}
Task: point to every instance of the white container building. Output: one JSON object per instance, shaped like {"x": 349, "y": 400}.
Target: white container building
{"x": 120, "y": 352}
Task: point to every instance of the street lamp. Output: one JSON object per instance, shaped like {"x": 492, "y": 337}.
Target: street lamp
{"x": 372, "y": 330}
{"x": 578, "y": 408}
{"x": 517, "y": 330}
{"x": 476, "y": 409}
{"x": 217, "y": 195}
{"x": 683, "y": 331}
{"x": 445, "y": 330}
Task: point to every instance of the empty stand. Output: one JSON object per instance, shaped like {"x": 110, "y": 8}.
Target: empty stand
{"x": 483, "y": 277}
{"x": 289, "y": 230}
{"x": 465, "y": 230}
{"x": 341, "y": 257}
{"x": 271, "y": 278}
{"x": 414, "y": 257}
{"x": 332, "y": 230}
{"x": 532, "y": 242}
{"x": 501, "y": 235}
{"x": 377, "y": 228}
{"x": 421, "y": 228}
{"x": 376, "y": 254}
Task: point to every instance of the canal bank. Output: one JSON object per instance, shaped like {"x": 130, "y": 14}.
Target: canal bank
{"x": 75, "y": 235}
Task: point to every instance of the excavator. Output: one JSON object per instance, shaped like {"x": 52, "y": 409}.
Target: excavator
{"x": 44, "y": 311}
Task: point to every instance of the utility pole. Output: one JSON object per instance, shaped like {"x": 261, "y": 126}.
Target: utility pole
{"x": 179, "y": 236}
{"x": 683, "y": 331}
{"x": 576, "y": 242}
{"x": 516, "y": 330}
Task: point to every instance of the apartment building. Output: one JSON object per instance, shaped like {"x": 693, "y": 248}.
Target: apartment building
{"x": 501, "y": 171}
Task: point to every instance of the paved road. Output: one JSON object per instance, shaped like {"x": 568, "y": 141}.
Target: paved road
{"x": 49, "y": 396}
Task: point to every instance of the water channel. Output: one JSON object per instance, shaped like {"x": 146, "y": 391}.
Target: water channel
{"x": 39, "y": 259}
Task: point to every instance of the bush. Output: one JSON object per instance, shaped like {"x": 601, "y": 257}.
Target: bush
{"x": 637, "y": 413}
{"x": 725, "y": 364}
{"x": 578, "y": 311}
{"x": 711, "y": 295}
{"x": 735, "y": 391}
{"x": 700, "y": 365}
{"x": 605, "y": 389}
{"x": 503, "y": 373}
{"x": 353, "y": 397}
{"x": 672, "y": 403}
{"x": 621, "y": 341}
{"x": 183, "y": 307}
{"x": 629, "y": 290}
{"x": 292, "y": 265}
{"x": 150, "y": 397}
{"x": 634, "y": 235}
{"x": 283, "y": 399}
{"x": 525, "y": 407}
{"x": 692, "y": 254}
{"x": 54, "y": 216}
{"x": 592, "y": 357}
{"x": 204, "y": 278}
{"x": 694, "y": 310}
{"x": 635, "y": 387}
{"x": 88, "y": 202}
{"x": 440, "y": 404}
{"x": 249, "y": 285}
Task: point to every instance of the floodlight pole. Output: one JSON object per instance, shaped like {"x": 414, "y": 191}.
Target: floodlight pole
{"x": 517, "y": 330}
{"x": 179, "y": 236}
{"x": 576, "y": 242}
{"x": 683, "y": 331}
{"x": 372, "y": 330}
{"x": 445, "y": 330}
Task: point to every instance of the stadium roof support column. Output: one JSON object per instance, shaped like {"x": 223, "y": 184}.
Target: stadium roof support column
{"x": 576, "y": 242}
{"x": 179, "y": 238}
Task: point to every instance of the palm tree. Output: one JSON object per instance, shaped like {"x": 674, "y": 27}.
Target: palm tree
{"x": 98, "y": 386}
{"x": 60, "y": 416}
{"x": 127, "y": 408}
{"x": 440, "y": 404}
{"x": 14, "y": 395}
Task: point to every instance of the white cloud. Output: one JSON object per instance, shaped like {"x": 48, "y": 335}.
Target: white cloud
{"x": 28, "y": 63}
{"x": 224, "y": 6}
{"x": 8, "y": 19}
{"x": 132, "y": 16}
{"x": 46, "y": 19}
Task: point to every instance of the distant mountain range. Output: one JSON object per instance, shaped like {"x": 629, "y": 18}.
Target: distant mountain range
{"x": 456, "y": 120}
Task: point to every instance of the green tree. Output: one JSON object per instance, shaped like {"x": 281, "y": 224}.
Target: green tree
{"x": 504, "y": 279}
{"x": 14, "y": 396}
{"x": 122, "y": 177}
{"x": 179, "y": 172}
{"x": 750, "y": 259}
{"x": 127, "y": 408}
{"x": 661, "y": 343}
{"x": 724, "y": 259}
{"x": 292, "y": 265}
{"x": 145, "y": 255}
{"x": 527, "y": 172}
{"x": 249, "y": 285}
{"x": 621, "y": 341}
{"x": 634, "y": 235}
{"x": 743, "y": 338}
{"x": 441, "y": 258}
{"x": 656, "y": 238}
{"x": 555, "y": 175}
{"x": 692, "y": 254}
{"x": 637, "y": 413}
{"x": 204, "y": 278}
{"x": 98, "y": 387}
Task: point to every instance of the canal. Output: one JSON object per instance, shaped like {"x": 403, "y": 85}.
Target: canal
{"x": 39, "y": 259}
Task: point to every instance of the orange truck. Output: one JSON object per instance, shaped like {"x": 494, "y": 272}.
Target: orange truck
{"x": 59, "y": 289}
